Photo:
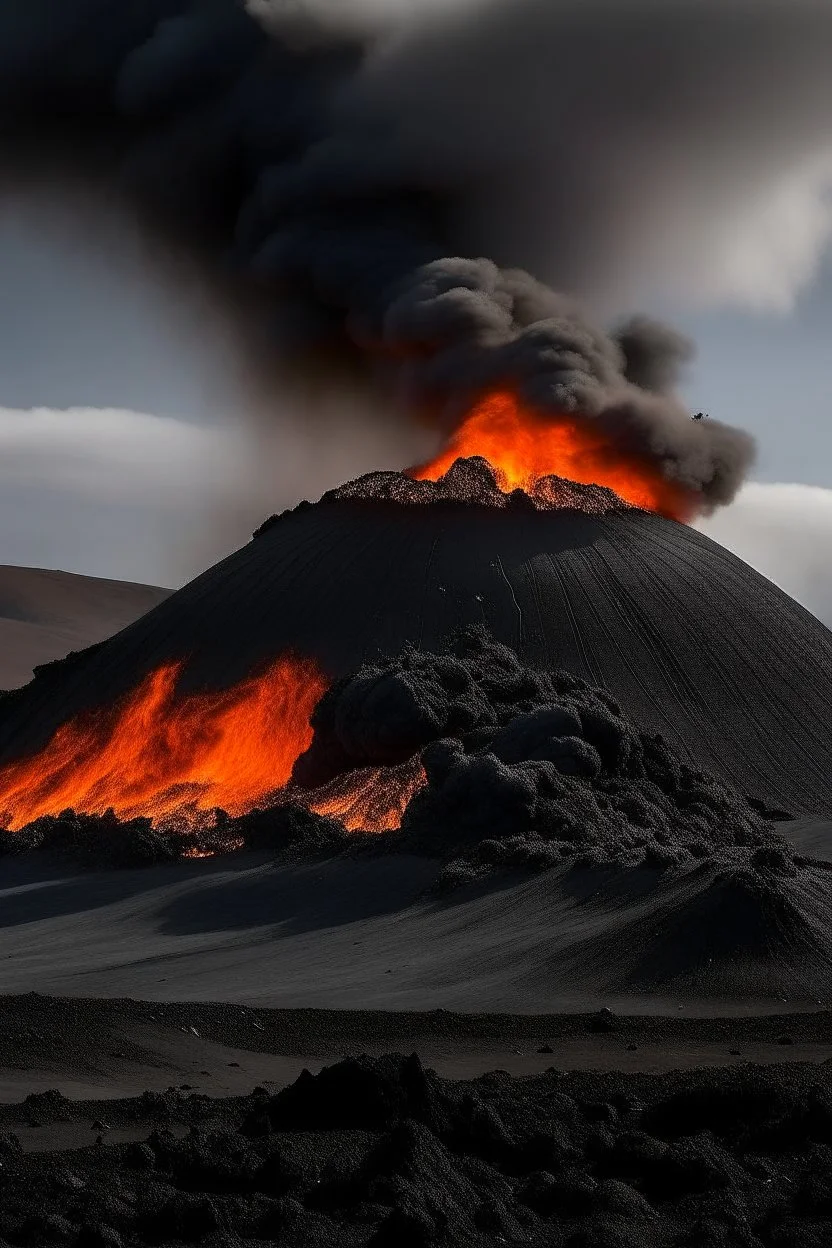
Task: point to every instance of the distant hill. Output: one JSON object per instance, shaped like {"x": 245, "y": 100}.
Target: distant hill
{"x": 45, "y": 614}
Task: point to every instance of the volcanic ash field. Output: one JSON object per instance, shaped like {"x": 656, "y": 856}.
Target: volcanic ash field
{"x": 445, "y": 730}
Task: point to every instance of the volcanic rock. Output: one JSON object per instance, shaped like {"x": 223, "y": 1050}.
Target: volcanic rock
{"x": 690, "y": 641}
{"x": 93, "y": 840}
{"x": 712, "y": 1156}
{"x": 527, "y": 769}
{"x": 473, "y": 481}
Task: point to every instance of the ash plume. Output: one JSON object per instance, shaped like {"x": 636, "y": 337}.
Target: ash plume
{"x": 340, "y": 175}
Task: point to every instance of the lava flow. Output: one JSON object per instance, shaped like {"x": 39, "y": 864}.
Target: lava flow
{"x": 172, "y": 757}
{"x": 373, "y": 799}
{"x": 522, "y": 447}
{"x": 178, "y": 758}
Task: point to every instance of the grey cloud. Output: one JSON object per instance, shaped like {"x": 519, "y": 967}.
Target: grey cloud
{"x": 339, "y": 182}
{"x": 785, "y": 532}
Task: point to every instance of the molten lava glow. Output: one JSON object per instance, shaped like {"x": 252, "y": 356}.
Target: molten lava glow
{"x": 195, "y": 852}
{"x": 171, "y": 757}
{"x": 523, "y": 447}
{"x": 372, "y": 800}
{"x": 175, "y": 758}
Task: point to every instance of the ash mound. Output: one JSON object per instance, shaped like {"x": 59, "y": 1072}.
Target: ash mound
{"x": 754, "y": 928}
{"x": 632, "y": 871}
{"x": 526, "y": 768}
{"x": 511, "y": 767}
{"x": 688, "y": 640}
{"x": 380, "y": 1152}
{"x": 641, "y": 873}
{"x": 528, "y": 771}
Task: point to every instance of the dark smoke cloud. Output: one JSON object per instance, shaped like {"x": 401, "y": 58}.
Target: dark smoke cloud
{"x": 591, "y": 139}
{"x": 331, "y": 176}
{"x": 655, "y": 354}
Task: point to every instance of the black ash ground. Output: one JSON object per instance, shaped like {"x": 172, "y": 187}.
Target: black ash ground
{"x": 380, "y": 1151}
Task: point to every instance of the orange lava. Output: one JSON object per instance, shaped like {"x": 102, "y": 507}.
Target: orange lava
{"x": 172, "y": 757}
{"x": 522, "y": 447}
{"x": 371, "y": 800}
{"x": 195, "y": 852}
{"x": 177, "y": 758}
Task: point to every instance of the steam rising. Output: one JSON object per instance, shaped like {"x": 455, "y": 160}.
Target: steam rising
{"x": 332, "y": 173}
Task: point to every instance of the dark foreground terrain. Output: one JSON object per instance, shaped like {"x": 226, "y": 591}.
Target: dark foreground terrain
{"x": 380, "y": 1150}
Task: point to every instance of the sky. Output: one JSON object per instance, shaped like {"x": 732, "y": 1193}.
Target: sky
{"x": 123, "y": 453}
{"x": 129, "y": 448}
{"x": 130, "y": 443}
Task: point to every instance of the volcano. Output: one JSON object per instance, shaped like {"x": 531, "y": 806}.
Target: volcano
{"x": 692, "y": 643}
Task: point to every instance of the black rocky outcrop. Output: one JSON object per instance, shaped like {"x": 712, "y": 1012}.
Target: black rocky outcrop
{"x": 379, "y": 1151}
{"x": 528, "y": 769}
{"x": 98, "y": 841}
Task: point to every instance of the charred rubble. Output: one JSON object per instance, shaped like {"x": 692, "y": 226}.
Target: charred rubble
{"x": 379, "y": 1151}
{"x": 528, "y": 768}
{"x": 99, "y": 842}
{"x": 95, "y": 841}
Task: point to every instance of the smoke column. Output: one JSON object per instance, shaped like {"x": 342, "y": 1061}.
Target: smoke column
{"x": 337, "y": 177}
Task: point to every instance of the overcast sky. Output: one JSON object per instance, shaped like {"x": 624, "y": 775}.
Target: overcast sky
{"x": 128, "y": 447}
{"x": 126, "y": 444}
{"x": 123, "y": 454}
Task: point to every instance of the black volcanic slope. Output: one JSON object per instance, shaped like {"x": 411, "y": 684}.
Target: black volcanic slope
{"x": 691, "y": 641}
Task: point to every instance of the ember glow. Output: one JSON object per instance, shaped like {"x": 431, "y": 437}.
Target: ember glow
{"x": 372, "y": 800}
{"x": 195, "y": 852}
{"x": 172, "y": 757}
{"x": 522, "y": 448}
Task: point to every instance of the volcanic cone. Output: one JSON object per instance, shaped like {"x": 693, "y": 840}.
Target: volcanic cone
{"x": 690, "y": 641}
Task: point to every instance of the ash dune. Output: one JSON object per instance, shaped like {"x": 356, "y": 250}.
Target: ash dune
{"x": 365, "y": 935}
{"x": 44, "y": 614}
